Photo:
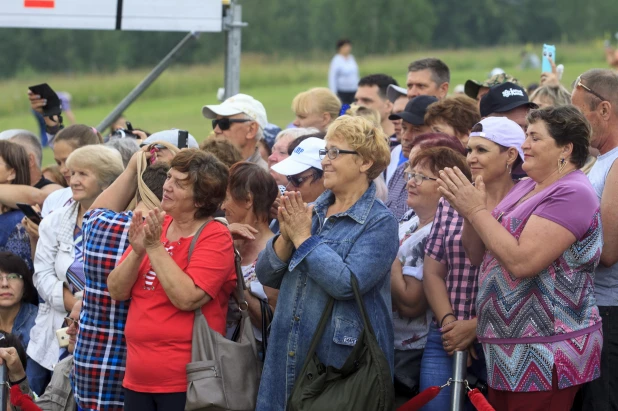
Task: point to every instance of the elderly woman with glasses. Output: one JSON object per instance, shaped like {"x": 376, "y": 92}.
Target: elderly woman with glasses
{"x": 536, "y": 306}
{"x": 345, "y": 233}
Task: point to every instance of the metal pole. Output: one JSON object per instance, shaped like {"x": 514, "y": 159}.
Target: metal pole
{"x": 460, "y": 372}
{"x": 150, "y": 78}
{"x": 232, "y": 24}
{"x": 4, "y": 392}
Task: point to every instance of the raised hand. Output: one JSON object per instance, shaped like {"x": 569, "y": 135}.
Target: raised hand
{"x": 136, "y": 234}
{"x": 460, "y": 193}
{"x": 296, "y": 216}
{"x": 153, "y": 228}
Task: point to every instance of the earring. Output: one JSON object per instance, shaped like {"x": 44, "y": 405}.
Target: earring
{"x": 561, "y": 165}
{"x": 508, "y": 168}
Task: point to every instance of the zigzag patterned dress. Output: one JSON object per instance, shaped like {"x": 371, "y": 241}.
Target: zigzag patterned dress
{"x": 528, "y": 326}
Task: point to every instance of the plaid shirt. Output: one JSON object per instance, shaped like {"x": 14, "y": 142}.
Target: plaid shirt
{"x": 100, "y": 353}
{"x": 397, "y": 200}
{"x": 444, "y": 245}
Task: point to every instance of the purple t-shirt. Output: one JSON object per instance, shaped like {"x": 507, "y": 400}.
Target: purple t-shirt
{"x": 550, "y": 319}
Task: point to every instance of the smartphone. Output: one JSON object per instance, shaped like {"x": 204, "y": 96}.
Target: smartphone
{"x": 30, "y": 213}
{"x": 53, "y": 107}
{"x": 548, "y": 51}
{"x": 63, "y": 337}
{"x": 183, "y": 139}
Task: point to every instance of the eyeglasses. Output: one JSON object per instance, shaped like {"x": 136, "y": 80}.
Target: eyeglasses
{"x": 11, "y": 277}
{"x": 578, "y": 83}
{"x": 334, "y": 152}
{"x": 225, "y": 123}
{"x": 418, "y": 178}
{"x": 297, "y": 181}
{"x": 68, "y": 322}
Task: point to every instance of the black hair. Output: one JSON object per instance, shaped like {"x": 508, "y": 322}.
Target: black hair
{"x": 11, "y": 263}
{"x": 380, "y": 80}
{"x": 343, "y": 42}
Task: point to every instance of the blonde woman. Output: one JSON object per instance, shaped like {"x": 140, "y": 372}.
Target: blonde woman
{"x": 317, "y": 107}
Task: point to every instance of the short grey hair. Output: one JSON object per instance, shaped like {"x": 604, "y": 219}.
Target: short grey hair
{"x": 559, "y": 95}
{"x": 440, "y": 72}
{"x": 296, "y": 132}
{"x": 31, "y": 143}
{"x": 125, "y": 146}
{"x": 603, "y": 82}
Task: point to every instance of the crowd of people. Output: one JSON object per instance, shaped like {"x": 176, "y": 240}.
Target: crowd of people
{"x": 484, "y": 222}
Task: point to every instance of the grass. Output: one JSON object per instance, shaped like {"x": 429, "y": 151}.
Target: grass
{"x": 176, "y": 98}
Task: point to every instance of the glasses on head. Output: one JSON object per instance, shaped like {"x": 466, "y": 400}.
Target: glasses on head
{"x": 69, "y": 322}
{"x": 417, "y": 177}
{"x": 579, "y": 83}
{"x": 333, "y": 153}
{"x": 225, "y": 123}
{"x": 297, "y": 181}
{"x": 11, "y": 277}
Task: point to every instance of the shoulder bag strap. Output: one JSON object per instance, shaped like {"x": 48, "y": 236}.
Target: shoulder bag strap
{"x": 317, "y": 336}
{"x": 361, "y": 305}
{"x": 192, "y": 246}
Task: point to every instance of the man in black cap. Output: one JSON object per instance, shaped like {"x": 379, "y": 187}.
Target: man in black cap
{"x": 413, "y": 124}
{"x": 507, "y": 100}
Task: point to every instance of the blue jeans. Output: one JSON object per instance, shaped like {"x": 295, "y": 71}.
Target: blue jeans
{"x": 38, "y": 376}
{"x": 437, "y": 368}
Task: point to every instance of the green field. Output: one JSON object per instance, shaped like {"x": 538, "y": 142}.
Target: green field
{"x": 175, "y": 100}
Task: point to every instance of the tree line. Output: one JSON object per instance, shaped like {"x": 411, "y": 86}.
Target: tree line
{"x": 307, "y": 28}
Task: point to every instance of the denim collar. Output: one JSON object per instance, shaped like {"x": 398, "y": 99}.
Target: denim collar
{"x": 24, "y": 313}
{"x": 358, "y": 212}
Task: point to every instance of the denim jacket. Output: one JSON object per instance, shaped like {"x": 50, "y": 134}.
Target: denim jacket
{"x": 24, "y": 322}
{"x": 362, "y": 241}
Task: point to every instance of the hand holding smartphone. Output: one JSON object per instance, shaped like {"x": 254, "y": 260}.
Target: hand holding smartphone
{"x": 53, "y": 107}
{"x": 30, "y": 212}
{"x": 549, "y": 52}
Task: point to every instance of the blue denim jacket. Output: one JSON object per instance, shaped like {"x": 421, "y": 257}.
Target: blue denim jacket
{"x": 362, "y": 240}
{"x": 24, "y": 322}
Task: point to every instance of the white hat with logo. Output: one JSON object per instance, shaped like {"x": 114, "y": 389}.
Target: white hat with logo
{"x": 240, "y": 103}
{"x": 305, "y": 156}
{"x": 502, "y": 131}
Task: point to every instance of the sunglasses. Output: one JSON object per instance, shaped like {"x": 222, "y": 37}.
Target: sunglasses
{"x": 225, "y": 123}
{"x": 68, "y": 322}
{"x": 579, "y": 83}
{"x": 297, "y": 181}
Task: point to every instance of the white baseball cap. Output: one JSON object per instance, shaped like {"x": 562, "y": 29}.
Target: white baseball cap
{"x": 504, "y": 132}
{"x": 393, "y": 92}
{"x": 305, "y": 156}
{"x": 240, "y": 103}
{"x": 169, "y": 136}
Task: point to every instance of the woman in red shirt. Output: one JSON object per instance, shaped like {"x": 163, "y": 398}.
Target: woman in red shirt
{"x": 165, "y": 288}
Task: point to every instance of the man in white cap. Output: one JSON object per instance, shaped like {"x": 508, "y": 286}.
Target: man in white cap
{"x": 241, "y": 119}
{"x": 303, "y": 168}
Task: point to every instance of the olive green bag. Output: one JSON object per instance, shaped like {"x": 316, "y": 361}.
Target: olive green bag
{"x": 363, "y": 383}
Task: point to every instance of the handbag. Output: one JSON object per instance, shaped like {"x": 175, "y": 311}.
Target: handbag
{"x": 223, "y": 374}
{"x": 364, "y": 381}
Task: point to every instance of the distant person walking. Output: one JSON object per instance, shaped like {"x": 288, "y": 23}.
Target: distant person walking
{"x": 343, "y": 73}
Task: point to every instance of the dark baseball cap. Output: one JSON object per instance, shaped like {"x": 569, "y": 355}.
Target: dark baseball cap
{"x": 504, "y": 97}
{"x": 472, "y": 87}
{"x": 415, "y": 110}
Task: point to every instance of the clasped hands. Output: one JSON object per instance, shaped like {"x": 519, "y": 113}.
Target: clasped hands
{"x": 294, "y": 217}
{"x": 145, "y": 232}
{"x": 464, "y": 197}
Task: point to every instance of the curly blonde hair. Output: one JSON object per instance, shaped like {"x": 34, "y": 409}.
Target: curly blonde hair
{"x": 365, "y": 138}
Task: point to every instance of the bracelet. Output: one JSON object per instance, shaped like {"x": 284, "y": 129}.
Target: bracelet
{"x": 12, "y": 383}
{"x": 444, "y": 318}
